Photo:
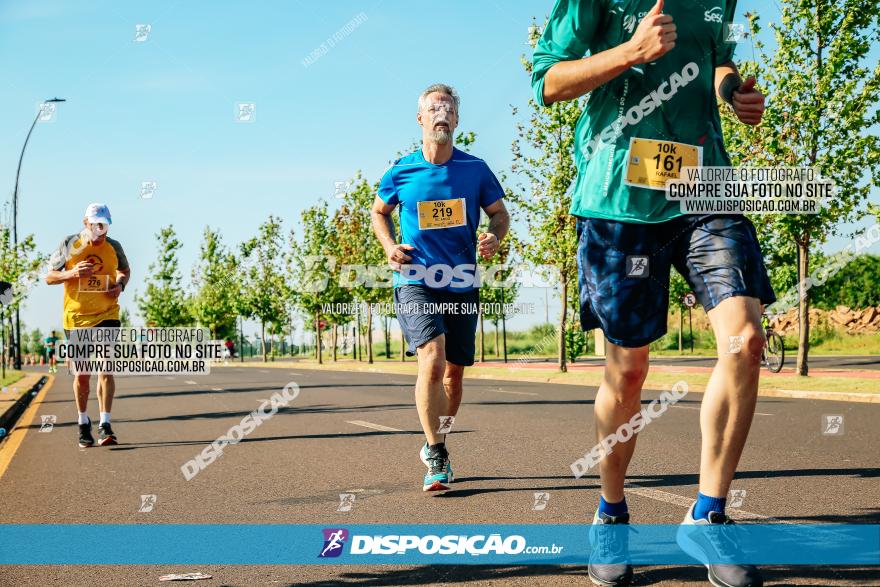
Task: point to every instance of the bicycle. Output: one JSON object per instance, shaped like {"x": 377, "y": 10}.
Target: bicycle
{"x": 773, "y": 353}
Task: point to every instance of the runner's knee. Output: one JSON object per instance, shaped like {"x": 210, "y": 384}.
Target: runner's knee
{"x": 625, "y": 371}
{"x": 432, "y": 360}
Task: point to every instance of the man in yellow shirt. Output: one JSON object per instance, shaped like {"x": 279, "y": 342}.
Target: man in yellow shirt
{"x": 94, "y": 271}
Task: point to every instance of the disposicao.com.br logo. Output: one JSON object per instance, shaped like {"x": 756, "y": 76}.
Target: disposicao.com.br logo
{"x": 432, "y": 544}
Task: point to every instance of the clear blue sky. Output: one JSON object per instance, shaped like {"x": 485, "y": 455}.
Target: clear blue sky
{"x": 164, "y": 109}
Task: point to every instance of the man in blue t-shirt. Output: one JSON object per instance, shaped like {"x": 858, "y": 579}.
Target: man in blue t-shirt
{"x": 440, "y": 191}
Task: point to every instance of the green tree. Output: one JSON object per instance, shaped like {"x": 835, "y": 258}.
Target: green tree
{"x": 543, "y": 156}
{"x": 822, "y": 87}
{"x": 36, "y": 345}
{"x": 264, "y": 293}
{"x": 358, "y": 247}
{"x": 493, "y": 297}
{"x": 164, "y": 303}
{"x": 214, "y": 300}
{"x": 314, "y": 268}
{"x": 19, "y": 266}
{"x": 856, "y": 285}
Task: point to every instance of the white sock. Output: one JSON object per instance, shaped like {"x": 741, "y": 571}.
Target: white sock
{"x": 105, "y": 417}
{"x": 84, "y": 418}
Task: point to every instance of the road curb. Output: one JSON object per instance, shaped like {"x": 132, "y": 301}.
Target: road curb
{"x": 852, "y": 397}
{"x": 11, "y": 415}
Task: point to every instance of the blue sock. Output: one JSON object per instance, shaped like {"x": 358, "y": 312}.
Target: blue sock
{"x": 612, "y": 509}
{"x": 706, "y": 504}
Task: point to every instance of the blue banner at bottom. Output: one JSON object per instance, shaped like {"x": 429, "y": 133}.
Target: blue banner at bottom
{"x": 278, "y": 544}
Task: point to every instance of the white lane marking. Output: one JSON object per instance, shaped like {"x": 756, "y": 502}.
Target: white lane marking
{"x": 294, "y": 374}
{"x": 190, "y": 382}
{"x": 171, "y": 378}
{"x": 216, "y": 389}
{"x": 686, "y": 502}
{"x": 515, "y": 392}
{"x": 373, "y": 426}
{"x": 736, "y": 513}
{"x": 698, "y": 408}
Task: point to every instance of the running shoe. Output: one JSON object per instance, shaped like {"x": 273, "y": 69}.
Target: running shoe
{"x": 423, "y": 454}
{"x": 85, "y": 436}
{"x": 608, "y": 559}
{"x": 437, "y": 479}
{"x": 105, "y": 435}
{"x": 712, "y": 546}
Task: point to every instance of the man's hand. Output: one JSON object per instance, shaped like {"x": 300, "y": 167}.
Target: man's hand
{"x": 748, "y": 103}
{"x": 397, "y": 255}
{"x": 82, "y": 269}
{"x": 654, "y": 37}
{"x": 488, "y": 245}
{"x": 114, "y": 291}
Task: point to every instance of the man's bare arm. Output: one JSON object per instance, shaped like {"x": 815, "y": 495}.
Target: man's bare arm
{"x": 56, "y": 276}
{"x": 746, "y": 100}
{"x": 383, "y": 228}
{"x": 499, "y": 224}
{"x": 727, "y": 80}
{"x": 653, "y": 38}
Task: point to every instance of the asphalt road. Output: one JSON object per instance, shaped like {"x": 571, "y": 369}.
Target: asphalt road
{"x": 511, "y": 440}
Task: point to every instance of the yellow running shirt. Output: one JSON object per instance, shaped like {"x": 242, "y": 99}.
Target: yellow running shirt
{"x": 86, "y": 301}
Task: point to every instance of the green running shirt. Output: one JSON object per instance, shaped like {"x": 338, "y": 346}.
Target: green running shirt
{"x": 671, "y": 99}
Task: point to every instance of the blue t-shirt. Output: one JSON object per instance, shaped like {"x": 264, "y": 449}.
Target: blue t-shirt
{"x": 443, "y": 234}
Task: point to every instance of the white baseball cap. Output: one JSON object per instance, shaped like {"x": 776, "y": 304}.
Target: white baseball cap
{"x": 98, "y": 214}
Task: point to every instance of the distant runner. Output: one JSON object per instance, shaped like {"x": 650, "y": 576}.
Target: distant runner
{"x": 440, "y": 191}
{"x": 50, "y": 343}
{"x": 94, "y": 271}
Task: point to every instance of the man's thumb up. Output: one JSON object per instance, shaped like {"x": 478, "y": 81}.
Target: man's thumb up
{"x": 657, "y": 8}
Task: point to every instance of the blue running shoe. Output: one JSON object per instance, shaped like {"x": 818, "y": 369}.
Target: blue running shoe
{"x": 710, "y": 546}
{"x": 423, "y": 454}
{"x": 437, "y": 477}
{"x": 609, "y": 566}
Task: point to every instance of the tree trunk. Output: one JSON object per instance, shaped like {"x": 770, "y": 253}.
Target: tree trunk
{"x": 318, "y": 349}
{"x": 497, "y": 347}
{"x": 370, "y": 336}
{"x": 482, "y": 341}
{"x": 357, "y": 339}
{"x": 803, "y": 249}
{"x": 504, "y": 334}
{"x": 387, "y": 325}
{"x": 680, "y": 331}
{"x": 335, "y": 336}
{"x": 563, "y": 366}
{"x": 263, "y": 338}
{"x": 402, "y": 347}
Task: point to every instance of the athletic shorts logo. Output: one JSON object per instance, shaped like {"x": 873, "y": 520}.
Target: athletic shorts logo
{"x": 713, "y": 15}
{"x": 334, "y": 540}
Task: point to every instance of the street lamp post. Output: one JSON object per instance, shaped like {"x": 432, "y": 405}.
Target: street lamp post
{"x": 15, "y": 223}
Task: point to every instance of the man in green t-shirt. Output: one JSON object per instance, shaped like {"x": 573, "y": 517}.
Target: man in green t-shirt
{"x": 51, "y": 342}
{"x": 655, "y": 74}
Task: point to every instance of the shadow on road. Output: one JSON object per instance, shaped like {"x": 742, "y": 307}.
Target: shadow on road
{"x": 271, "y": 438}
{"x": 444, "y": 574}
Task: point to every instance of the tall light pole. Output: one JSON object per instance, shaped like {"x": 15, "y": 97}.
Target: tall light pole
{"x": 15, "y": 222}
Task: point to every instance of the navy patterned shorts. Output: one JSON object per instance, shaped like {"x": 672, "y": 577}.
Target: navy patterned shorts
{"x": 425, "y": 313}
{"x": 623, "y": 270}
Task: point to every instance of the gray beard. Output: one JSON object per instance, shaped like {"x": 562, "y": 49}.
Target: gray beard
{"x": 441, "y": 137}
